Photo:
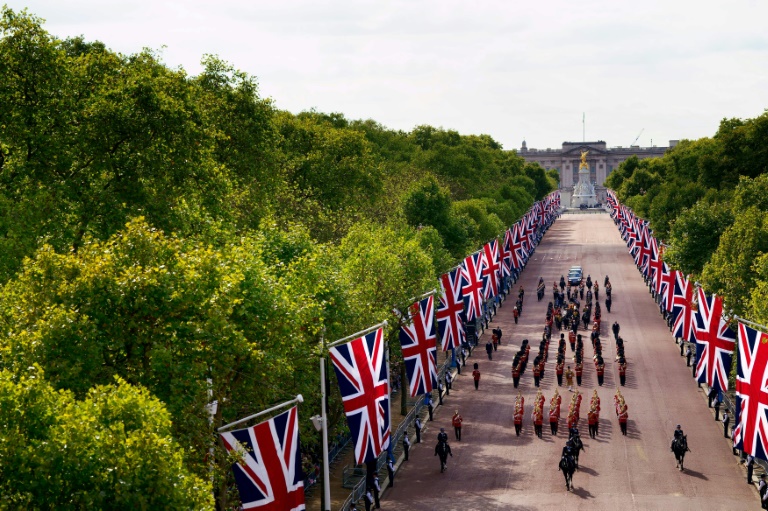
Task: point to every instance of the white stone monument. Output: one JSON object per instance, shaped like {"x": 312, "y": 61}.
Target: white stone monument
{"x": 584, "y": 191}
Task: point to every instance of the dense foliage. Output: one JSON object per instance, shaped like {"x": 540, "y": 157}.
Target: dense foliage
{"x": 708, "y": 200}
{"x": 167, "y": 240}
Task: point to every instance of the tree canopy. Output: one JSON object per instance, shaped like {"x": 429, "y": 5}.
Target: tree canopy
{"x": 168, "y": 240}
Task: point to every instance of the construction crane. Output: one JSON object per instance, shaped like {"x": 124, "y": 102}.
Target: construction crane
{"x": 636, "y": 138}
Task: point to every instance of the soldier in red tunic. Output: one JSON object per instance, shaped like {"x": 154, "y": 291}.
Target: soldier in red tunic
{"x": 519, "y": 412}
{"x": 592, "y": 422}
{"x": 554, "y": 412}
{"x": 559, "y": 369}
{"x": 600, "y": 365}
{"x": 623, "y": 417}
{"x": 516, "y": 371}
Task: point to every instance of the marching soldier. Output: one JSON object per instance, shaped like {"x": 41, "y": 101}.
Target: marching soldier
{"x": 516, "y": 372}
{"x": 600, "y": 365}
{"x": 519, "y": 412}
{"x": 579, "y": 369}
{"x": 608, "y": 303}
{"x": 538, "y": 418}
{"x": 569, "y": 378}
{"x": 597, "y": 294}
{"x": 622, "y": 371}
{"x": 572, "y": 340}
{"x": 595, "y": 403}
{"x": 516, "y": 313}
{"x": 592, "y": 422}
{"x": 456, "y": 421}
{"x": 623, "y": 417}
{"x": 559, "y": 370}
{"x": 554, "y": 412}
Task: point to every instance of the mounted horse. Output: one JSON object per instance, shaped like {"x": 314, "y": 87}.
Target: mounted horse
{"x": 578, "y": 446}
{"x": 680, "y": 447}
{"x": 442, "y": 449}
{"x": 568, "y": 467}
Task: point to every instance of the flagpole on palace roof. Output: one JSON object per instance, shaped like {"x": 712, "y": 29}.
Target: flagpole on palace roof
{"x": 298, "y": 399}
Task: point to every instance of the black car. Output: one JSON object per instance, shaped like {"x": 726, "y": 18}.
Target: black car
{"x": 574, "y": 275}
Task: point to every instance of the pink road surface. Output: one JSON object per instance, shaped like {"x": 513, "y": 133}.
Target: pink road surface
{"x": 491, "y": 468}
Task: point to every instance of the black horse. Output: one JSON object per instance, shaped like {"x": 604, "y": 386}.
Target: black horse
{"x": 680, "y": 447}
{"x": 442, "y": 449}
{"x": 568, "y": 467}
{"x": 578, "y": 446}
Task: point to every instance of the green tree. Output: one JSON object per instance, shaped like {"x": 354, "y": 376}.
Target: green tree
{"x": 695, "y": 235}
{"x": 111, "y": 450}
{"x": 729, "y": 272}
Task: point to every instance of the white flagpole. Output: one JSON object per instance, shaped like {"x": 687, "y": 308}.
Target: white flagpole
{"x": 324, "y": 414}
{"x": 358, "y": 334}
{"x": 756, "y": 325}
{"x": 324, "y": 418}
{"x": 298, "y": 399}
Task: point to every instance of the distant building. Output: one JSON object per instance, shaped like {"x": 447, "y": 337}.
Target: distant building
{"x": 602, "y": 161}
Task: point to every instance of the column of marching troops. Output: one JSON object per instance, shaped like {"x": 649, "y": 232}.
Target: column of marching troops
{"x": 567, "y": 315}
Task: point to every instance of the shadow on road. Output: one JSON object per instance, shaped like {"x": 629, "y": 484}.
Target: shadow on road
{"x": 697, "y": 475}
{"x": 583, "y": 493}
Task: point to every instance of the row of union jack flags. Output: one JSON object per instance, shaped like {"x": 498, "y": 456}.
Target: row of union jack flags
{"x": 700, "y": 318}
{"x": 360, "y": 365}
{"x": 268, "y": 471}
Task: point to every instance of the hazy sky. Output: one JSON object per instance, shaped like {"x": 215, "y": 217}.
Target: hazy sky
{"x": 510, "y": 69}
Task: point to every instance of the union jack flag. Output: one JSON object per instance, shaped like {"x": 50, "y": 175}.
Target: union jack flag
{"x": 362, "y": 376}
{"x": 471, "y": 271}
{"x": 524, "y": 235}
{"x": 450, "y": 311}
{"x": 751, "y": 425}
{"x": 269, "y": 474}
{"x": 656, "y": 265}
{"x": 518, "y": 246}
{"x": 418, "y": 342}
{"x": 667, "y": 286}
{"x": 491, "y": 268}
{"x": 505, "y": 255}
{"x": 714, "y": 342}
{"x": 682, "y": 309}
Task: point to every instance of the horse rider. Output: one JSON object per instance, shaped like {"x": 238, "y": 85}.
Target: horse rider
{"x": 677, "y": 435}
{"x": 442, "y": 436}
{"x": 568, "y": 449}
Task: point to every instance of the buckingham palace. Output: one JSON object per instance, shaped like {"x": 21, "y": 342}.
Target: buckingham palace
{"x": 602, "y": 160}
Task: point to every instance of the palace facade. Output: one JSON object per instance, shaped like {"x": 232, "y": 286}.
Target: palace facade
{"x": 602, "y": 160}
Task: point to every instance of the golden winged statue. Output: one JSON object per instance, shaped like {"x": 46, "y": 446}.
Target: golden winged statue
{"x": 583, "y": 164}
